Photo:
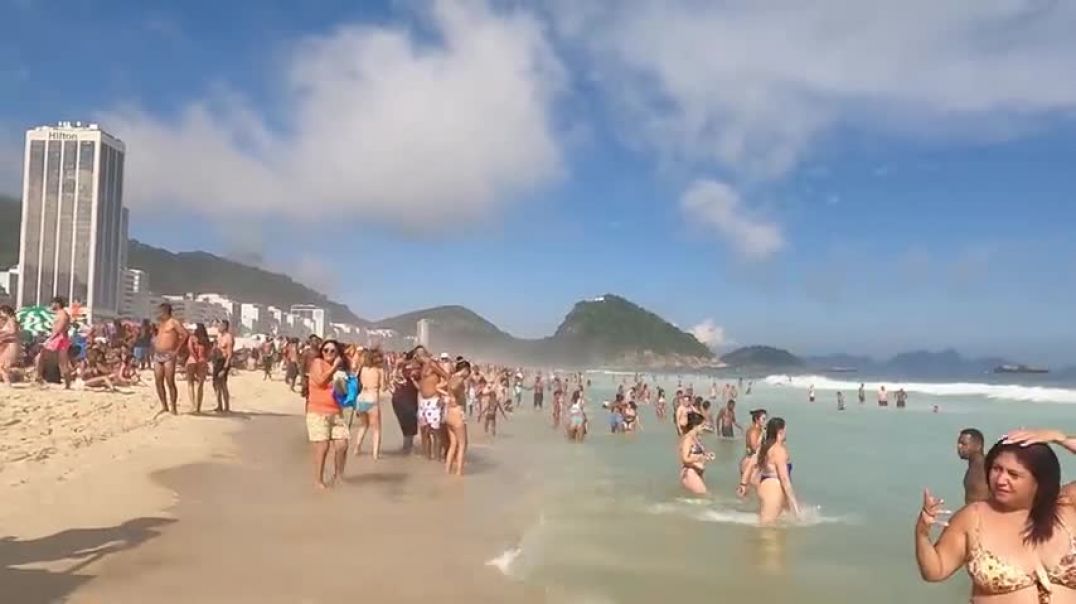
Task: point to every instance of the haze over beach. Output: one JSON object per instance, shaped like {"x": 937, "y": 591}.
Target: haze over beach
{"x": 597, "y": 218}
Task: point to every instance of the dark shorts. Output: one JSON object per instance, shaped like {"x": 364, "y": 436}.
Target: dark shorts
{"x": 539, "y": 398}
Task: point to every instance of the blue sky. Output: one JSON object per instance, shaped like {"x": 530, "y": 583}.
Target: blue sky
{"x": 825, "y": 176}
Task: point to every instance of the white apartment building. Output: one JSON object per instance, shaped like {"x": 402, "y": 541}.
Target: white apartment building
{"x": 231, "y": 307}
{"x": 73, "y": 236}
{"x": 136, "y": 295}
{"x": 191, "y": 310}
{"x": 317, "y": 314}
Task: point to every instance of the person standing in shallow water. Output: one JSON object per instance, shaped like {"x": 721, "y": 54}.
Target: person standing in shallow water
{"x": 693, "y": 456}
{"x": 774, "y": 466}
{"x": 969, "y": 447}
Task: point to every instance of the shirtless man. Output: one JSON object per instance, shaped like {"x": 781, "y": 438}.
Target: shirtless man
{"x": 539, "y": 391}
{"x": 171, "y": 337}
{"x": 291, "y": 363}
{"x": 969, "y": 447}
{"x": 226, "y": 348}
{"x": 430, "y": 409}
{"x": 726, "y": 421}
{"x": 58, "y": 342}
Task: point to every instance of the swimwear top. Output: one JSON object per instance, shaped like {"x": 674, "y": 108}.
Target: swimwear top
{"x": 696, "y": 448}
{"x": 768, "y": 474}
{"x": 992, "y": 575}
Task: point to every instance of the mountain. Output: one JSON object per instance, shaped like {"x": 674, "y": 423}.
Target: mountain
{"x": 945, "y": 363}
{"x": 761, "y": 357}
{"x": 608, "y": 330}
{"x": 197, "y": 272}
{"x": 610, "y": 327}
{"x": 452, "y": 328}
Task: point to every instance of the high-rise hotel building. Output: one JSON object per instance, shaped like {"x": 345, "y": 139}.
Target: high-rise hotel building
{"x": 74, "y": 225}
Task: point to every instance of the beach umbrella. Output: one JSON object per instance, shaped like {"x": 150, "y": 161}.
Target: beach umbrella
{"x": 35, "y": 319}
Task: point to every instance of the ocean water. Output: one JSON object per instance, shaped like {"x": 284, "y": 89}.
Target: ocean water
{"x": 612, "y": 525}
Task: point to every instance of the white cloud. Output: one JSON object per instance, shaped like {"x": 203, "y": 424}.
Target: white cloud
{"x": 749, "y": 86}
{"x": 377, "y": 121}
{"x": 718, "y": 207}
{"x": 710, "y": 334}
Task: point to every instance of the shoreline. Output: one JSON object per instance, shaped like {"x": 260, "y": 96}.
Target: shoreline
{"x": 228, "y": 500}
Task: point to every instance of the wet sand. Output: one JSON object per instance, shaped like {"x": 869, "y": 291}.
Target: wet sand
{"x": 249, "y": 527}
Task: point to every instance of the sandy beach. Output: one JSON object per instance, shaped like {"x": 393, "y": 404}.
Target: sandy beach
{"x": 106, "y": 501}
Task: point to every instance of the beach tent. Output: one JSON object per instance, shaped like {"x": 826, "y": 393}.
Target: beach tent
{"x": 36, "y": 320}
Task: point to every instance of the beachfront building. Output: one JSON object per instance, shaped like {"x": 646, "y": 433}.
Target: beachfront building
{"x": 422, "y": 332}
{"x": 317, "y": 314}
{"x": 73, "y": 239}
{"x": 231, "y": 307}
{"x": 190, "y": 310}
{"x": 254, "y": 318}
{"x": 136, "y": 295}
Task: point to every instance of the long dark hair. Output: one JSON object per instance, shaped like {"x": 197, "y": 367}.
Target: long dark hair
{"x": 339, "y": 352}
{"x": 1042, "y": 463}
{"x": 692, "y": 420}
{"x": 201, "y": 334}
{"x": 773, "y": 428}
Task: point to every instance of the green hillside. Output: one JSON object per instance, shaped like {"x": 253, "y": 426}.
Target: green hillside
{"x": 611, "y": 327}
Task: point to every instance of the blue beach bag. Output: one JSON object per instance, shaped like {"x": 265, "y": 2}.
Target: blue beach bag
{"x": 350, "y": 394}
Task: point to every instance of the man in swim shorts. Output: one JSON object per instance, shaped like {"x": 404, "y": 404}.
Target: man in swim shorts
{"x": 726, "y": 420}
{"x": 58, "y": 342}
{"x": 223, "y": 366}
{"x": 171, "y": 337}
{"x": 539, "y": 391}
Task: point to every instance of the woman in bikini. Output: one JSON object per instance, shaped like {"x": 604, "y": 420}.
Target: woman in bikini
{"x": 774, "y": 488}
{"x": 1018, "y": 545}
{"x": 375, "y": 387}
{"x": 577, "y": 418}
{"x": 198, "y": 347}
{"x": 455, "y": 418}
{"x": 753, "y": 439}
{"x": 693, "y": 456}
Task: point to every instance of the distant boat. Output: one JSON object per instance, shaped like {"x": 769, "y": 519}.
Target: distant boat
{"x": 1019, "y": 369}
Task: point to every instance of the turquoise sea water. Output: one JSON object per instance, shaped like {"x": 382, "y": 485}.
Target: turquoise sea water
{"x": 613, "y": 525}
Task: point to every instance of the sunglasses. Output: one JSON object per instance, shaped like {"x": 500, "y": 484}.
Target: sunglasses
{"x": 328, "y": 349}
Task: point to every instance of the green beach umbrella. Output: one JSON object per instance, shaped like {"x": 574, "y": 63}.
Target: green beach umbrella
{"x": 36, "y": 320}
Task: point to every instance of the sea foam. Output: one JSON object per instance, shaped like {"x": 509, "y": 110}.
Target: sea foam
{"x": 809, "y": 515}
{"x": 1011, "y": 392}
{"x": 504, "y": 561}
